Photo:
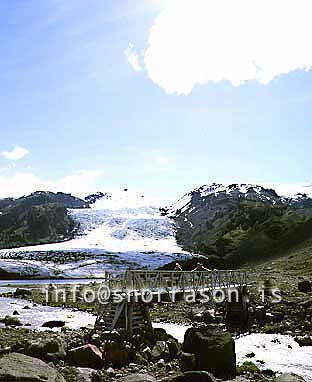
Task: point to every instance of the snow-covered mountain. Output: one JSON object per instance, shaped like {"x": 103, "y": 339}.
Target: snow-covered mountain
{"x": 239, "y": 222}
{"x": 119, "y": 231}
{"x": 237, "y": 192}
{"x": 233, "y": 191}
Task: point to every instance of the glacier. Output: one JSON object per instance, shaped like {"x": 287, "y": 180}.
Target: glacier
{"x": 118, "y": 232}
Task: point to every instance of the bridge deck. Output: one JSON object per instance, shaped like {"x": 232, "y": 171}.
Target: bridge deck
{"x": 166, "y": 281}
{"x": 129, "y": 315}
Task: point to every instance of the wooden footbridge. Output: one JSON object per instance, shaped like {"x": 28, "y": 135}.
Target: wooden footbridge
{"x": 133, "y": 291}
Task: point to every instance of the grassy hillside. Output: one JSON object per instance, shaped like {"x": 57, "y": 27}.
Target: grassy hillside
{"x": 285, "y": 269}
{"x": 38, "y": 218}
{"x": 243, "y": 231}
{"x": 26, "y": 225}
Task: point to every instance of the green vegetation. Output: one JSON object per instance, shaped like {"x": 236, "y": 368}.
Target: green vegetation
{"x": 247, "y": 367}
{"x": 246, "y": 232}
{"x": 11, "y": 321}
{"x": 36, "y": 219}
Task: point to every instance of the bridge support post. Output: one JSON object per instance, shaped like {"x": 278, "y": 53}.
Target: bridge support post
{"x": 128, "y": 315}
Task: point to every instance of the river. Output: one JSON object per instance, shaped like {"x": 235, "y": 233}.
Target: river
{"x": 279, "y": 353}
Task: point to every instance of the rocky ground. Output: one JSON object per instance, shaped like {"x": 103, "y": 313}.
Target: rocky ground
{"x": 291, "y": 275}
{"x": 86, "y": 355}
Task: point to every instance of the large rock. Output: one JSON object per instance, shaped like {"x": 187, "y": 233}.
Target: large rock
{"x": 187, "y": 361}
{"x": 174, "y": 347}
{"x": 304, "y": 286}
{"x": 193, "y": 376}
{"x": 260, "y": 315}
{"x": 161, "y": 351}
{"x": 289, "y": 377}
{"x": 85, "y": 374}
{"x": 11, "y": 321}
{"x": 116, "y": 354}
{"x": 304, "y": 340}
{"x": 47, "y": 349}
{"x": 140, "y": 358}
{"x": 88, "y": 356}
{"x": 214, "y": 351}
{"x": 53, "y": 324}
{"x": 20, "y": 292}
{"x": 160, "y": 334}
{"x": 15, "y": 367}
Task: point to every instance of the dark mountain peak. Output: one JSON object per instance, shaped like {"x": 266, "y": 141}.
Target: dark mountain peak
{"x": 91, "y": 199}
{"x": 43, "y": 197}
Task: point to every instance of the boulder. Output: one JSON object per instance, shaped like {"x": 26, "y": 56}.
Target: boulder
{"x": 304, "y": 340}
{"x": 304, "y": 286}
{"x": 289, "y": 377}
{"x": 161, "y": 363}
{"x": 84, "y": 374}
{"x": 47, "y": 349}
{"x": 186, "y": 361}
{"x": 249, "y": 368}
{"x": 113, "y": 335}
{"x": 53, "y": 324}
{"x": 140, "y": 358}
{"x": 11, "y": 321}
{"x": 117, "y": 354}
{"x": 161, "y": 350}
{"x": 20, "y": 368}
{"x": 138, "y": 378}
{"x": 214, "y": 351}
{"x": 250, "y": 355}
{"x": 20, "y": 292}
{"x": 147, "y": 353}
{"x": 260, "y": 314}
{"x": 160, "y": 334}
{"x": 208, "y": 317}
{"x": 88, "y": 356}
{"x": 193, "y": 376}
{"x": 173, "y": 347}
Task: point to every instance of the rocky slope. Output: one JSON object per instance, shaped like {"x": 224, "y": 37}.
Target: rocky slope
{"x": 240, "y": 223}
{"x": 37, "y": 218}
{"x": 46, "y": 223}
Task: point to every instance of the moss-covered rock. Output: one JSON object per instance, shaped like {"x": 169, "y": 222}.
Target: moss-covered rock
{"x": 247, "y": 367}
{"x": 11, "y": 321}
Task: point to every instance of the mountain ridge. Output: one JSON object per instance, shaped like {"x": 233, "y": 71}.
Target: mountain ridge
{"x": 41, "y": 217}
{"x": 226, "y": 225}
{"x": 239, "y": 223}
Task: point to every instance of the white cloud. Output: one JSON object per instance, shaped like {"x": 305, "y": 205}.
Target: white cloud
{"x": 162, "y": 160}
{"x": 15, "y": 154}
{"x": 291, "y": 189}
{"x": 133, "y": 57}
{"x": 23, "y": 183}
{"x": 199, "y": 41}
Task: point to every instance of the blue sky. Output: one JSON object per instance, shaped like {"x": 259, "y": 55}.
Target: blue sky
{"x": 88, "y": 121}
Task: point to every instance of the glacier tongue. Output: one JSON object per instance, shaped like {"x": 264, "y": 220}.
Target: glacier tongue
{"x": 124, "y": 231}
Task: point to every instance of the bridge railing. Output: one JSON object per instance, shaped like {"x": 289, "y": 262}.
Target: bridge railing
{"x": 137, "y": 280}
